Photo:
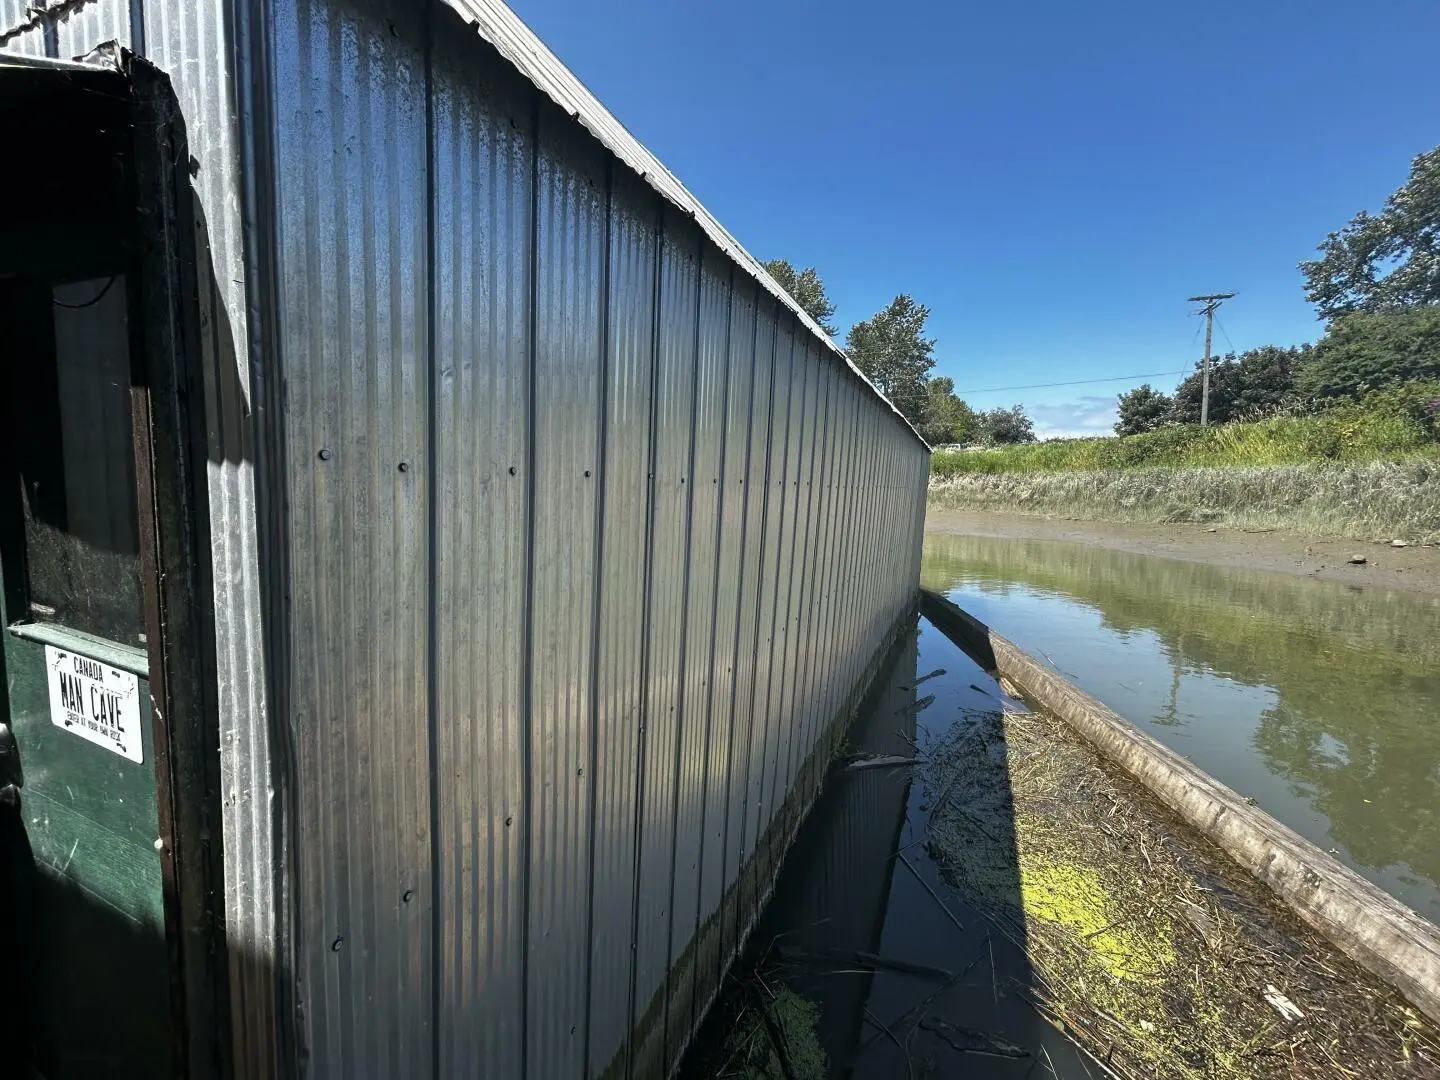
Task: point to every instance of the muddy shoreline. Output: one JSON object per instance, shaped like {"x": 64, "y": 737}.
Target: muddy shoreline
{"x": 1415, "y": 568}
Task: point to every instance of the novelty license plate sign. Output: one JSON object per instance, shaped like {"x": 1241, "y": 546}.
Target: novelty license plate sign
{"x": 99, "y": 703}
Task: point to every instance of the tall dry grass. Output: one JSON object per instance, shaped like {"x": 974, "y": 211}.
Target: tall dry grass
{"x": 1359, "y": 500}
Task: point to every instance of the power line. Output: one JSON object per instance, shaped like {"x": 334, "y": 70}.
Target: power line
{"x": 1222, "y": 330}
{"x": 1076, "y": 382}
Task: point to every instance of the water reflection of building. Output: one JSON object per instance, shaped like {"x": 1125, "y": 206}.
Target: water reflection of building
{"x": 831, "y": 899}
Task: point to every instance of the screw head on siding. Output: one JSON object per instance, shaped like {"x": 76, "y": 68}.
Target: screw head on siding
{"x": 512, "y": 470}
{"x": 337, "y": 944}
{"x": 407, "y": 896}
{"x": 404, "y": 466}
{"x": 587, "y": 472}
{"x": 509, "y": 821}
{"x": 325, "y": 454}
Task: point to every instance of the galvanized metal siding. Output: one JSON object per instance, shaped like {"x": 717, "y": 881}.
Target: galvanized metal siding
{"x": 80, "y": 28}
{"x": 673, "y": 428}
{"x": 620, "y": 670}
{"x": 702, "y": 562}
{"x": 615, "y": 603}
{"x": 483, "y": 157}
{"x": 352, "y": 176}
{"x": 570, "y": 295}
{"x": 766, "y": 481}
{"x": 553, "y": 857}
{"x": 725, "y": 756}
{"x": 747, "y": 709}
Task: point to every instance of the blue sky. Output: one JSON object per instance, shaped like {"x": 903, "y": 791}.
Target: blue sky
{"x": 1052, "y": 178}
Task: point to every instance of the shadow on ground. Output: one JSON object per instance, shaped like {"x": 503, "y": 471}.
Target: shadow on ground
{"x": 866, "y": 963}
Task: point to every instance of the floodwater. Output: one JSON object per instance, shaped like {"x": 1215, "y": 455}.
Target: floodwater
{"x": 1321, "y": 701}
{"x": 903, "y": 977}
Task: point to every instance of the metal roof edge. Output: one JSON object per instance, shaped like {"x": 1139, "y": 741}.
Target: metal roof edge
{"x": 517, "y": 43}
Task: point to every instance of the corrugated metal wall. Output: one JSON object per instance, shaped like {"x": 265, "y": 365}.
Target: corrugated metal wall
{"x": 589, "y": 542}
{"x": 650, "y": 534}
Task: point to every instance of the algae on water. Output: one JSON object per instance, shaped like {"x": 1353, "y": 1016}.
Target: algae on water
{"x": 1146, "y": 946}
{"x": 751, "y": 1052}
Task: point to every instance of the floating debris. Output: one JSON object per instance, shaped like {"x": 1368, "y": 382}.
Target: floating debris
{"x": 880, "y": 761}
{"x": 1148, "y": 947}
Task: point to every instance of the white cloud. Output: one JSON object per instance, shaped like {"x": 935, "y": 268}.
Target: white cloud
{"x": 1072, "y": 419}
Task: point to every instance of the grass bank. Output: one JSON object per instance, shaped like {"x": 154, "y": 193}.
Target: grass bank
{"x": 1396, "y": 424}
{"x": 1359, "y": 500}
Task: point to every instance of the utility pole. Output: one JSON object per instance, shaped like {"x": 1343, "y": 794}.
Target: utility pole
{"x": 1211, "y": 302}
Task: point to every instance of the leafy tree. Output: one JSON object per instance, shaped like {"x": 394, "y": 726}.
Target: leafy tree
{"x": 1369, "y": 351}
{"x": 1267, "y": 379}
{"x": 1387, "y": 259}
{"x": 947, "y": 418}
{"x": 1004, "y": 426}
{"x": 892, "y": 350}
{"x": 1225, "y": 382}
{"x": 806, "y": 289}
{"x": 1143, "y": 409}
{"x": 1255, "y": 384}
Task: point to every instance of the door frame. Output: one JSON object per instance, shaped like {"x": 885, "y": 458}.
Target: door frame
{"x": 168, "y": 424}
{"x": 167, "y": 414}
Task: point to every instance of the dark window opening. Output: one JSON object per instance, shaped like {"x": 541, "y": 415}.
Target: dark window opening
{"x": 66, "y": 358}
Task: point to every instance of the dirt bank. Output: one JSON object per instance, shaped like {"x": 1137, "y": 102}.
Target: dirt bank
{"x": 1414, "y": 568}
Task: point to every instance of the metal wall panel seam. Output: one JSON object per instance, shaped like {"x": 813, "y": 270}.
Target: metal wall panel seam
{"x": 805, "y": 621}
{"x": 850, "y": 599}
{"x": 733, "y": 499}
{"x": 714, "y": 613}
{"x": 601, "y": 470}
{"x": 816, "y": 681}
{"x": 675, "y": 393}
{"x": 685, "y": 705}
{"x": 839, "y": 592}
{"x": 751, "y": 794}
{"x": 631, "y": 319}
{"x": 735, "y": 798}
{"x": 272, "y": 1024}
{"x": 770, "y": 582}
{"x": 681, "y": 671}
{"x": 527, "y": 691}
{"x": 813, "y": 545}
{"x": 432, "y": 511}
{"x": 804, "y": 438}
{"x": 783, "y": 668}
{"x": 844, "y": 593}
{"x": 567, "y": 416}
{"x": 640, "y": 777}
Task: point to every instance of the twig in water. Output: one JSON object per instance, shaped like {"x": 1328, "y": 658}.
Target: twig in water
{"x": 933, "y": 894}
{"x": 926, "y": 678}
{"x": 969, "y": 1041}
{"x": 994, "y": 989}
{"x": 909, "y": 1064}
{"x": 881, "y": 762}
{"x": 868, "y": 960}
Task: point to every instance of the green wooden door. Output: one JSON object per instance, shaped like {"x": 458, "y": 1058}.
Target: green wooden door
{"x": 85, "y": 949}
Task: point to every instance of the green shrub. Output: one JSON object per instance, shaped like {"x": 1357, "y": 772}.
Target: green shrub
{"x": 1399, "y": 422}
